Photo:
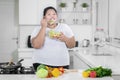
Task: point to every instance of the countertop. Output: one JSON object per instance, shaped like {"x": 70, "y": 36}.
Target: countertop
{"x": 26, "y": 49}
{"x": 65, "y": 76}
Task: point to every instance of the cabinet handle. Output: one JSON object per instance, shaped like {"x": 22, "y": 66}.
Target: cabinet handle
{"x": 97, "y": 6}
{"x": 73, "y": 21}
{"x": 76, "y": 21}
{"x": 63, "y": 20}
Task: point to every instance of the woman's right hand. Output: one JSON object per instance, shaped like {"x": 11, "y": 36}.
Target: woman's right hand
{"x": 44, "y": 22}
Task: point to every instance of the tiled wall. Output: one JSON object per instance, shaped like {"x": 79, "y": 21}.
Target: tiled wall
{"x": 81, "y": 32}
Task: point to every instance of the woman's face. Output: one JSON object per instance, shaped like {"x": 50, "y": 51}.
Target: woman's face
{"x": 51, "y": 15}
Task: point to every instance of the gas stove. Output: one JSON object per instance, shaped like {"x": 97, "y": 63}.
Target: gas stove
{"x": 21, "y": 70}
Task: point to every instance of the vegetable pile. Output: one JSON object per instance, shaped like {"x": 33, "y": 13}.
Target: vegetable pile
{"x": 96, "y": 72}
{"x": 48, "y": 72}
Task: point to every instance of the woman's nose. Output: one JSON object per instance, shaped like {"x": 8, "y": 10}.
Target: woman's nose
{"x": 52, "y": 16}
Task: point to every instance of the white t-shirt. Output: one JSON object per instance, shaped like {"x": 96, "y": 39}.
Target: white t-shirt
{"x": 54, "y": 52}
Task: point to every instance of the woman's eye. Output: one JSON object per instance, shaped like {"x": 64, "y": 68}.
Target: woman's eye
{"x": 48, "y": 14}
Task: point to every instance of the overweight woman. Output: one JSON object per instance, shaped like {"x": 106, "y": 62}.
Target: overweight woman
{"x": 51, "y": 41}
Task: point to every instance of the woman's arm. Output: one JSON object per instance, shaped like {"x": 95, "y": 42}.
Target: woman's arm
{"x": 70, "y": 42}
{"x": 38, "y": 41}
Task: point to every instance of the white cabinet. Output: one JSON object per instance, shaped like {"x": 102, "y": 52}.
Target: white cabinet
{"x": 79, "y": 63}
{"x": 76, "y": 62}
{"x": 26, "y": 54}
{"x": 31, "y": 11}
{"x": 28, "y": 12}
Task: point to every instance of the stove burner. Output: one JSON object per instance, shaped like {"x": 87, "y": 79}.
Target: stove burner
{"x": 8, "y": 71}
{"x": 21, "y": 70}
{"x": 29, "y": 70}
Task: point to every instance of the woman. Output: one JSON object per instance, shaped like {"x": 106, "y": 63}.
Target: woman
{"x": 51, "y": 41}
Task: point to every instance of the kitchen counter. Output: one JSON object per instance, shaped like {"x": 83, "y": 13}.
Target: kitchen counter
{"x": 109, "y": 61}
{"x": 26, "y": 49}
{"x": 65, "y": 76}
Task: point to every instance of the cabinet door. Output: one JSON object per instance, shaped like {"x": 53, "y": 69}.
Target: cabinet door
{"x": 79, "y": 63}
{"x": 76, "y": 62}
{"x": 28, "y": 12}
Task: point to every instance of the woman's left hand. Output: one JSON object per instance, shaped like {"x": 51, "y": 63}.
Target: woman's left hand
{"x": 62, "y": 37}
{"x": 70, "y": 42}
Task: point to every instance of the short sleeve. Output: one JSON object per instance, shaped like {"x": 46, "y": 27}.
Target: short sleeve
{"x": 68, "y": 31}
{"x": 35, "y": 32}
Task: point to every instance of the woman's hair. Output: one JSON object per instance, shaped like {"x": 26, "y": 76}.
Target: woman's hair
{"x": 47, "y": 8}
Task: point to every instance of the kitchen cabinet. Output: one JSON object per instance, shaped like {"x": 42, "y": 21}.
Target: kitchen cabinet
{"x": 30, "y": 11}
{"x": 76, "y": 62}
{"x": 73, "y": 12}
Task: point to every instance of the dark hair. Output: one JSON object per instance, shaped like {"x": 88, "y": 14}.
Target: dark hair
{"x": 47, "y": 8}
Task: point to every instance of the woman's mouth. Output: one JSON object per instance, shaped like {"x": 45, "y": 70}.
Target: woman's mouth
{"x": 51, "y": 21}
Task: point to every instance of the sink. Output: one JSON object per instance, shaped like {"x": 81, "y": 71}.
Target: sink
{"x": 101, "y": 51}
{"x": 102, "y": 54}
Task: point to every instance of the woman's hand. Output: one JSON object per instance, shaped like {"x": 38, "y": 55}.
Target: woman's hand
{"x": 62, "y": 37}
{"x": 44, "y": 22}
{"x": 70, "y": 42}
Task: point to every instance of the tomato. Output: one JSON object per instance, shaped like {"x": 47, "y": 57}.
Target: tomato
{"x": 93, "y": 74}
